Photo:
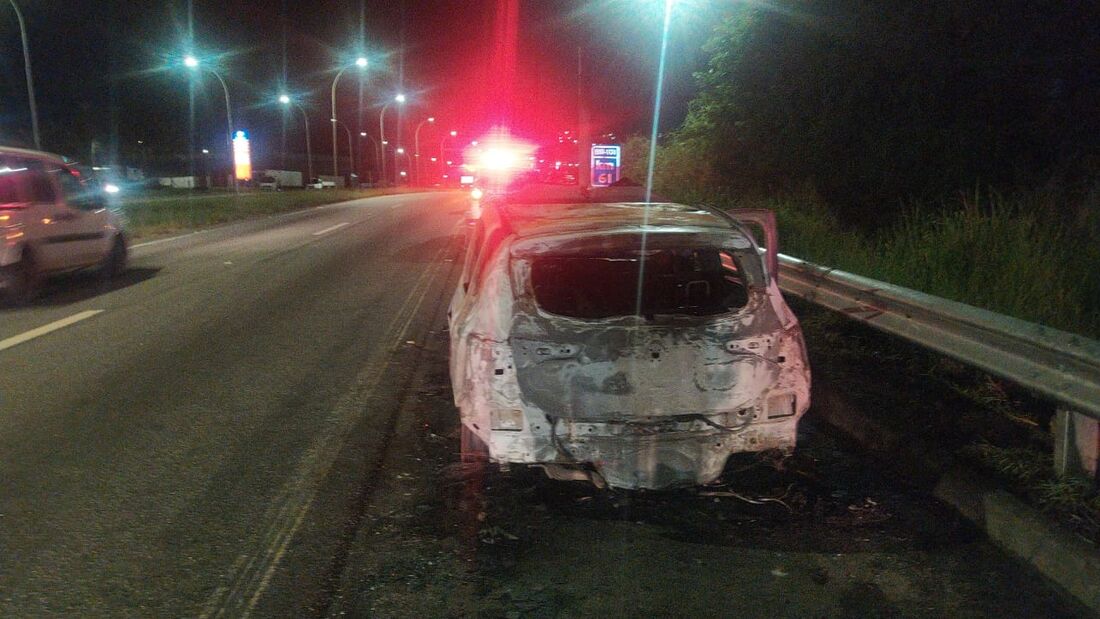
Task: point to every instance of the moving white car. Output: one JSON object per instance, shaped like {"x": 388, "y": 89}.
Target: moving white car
{"x": 559, "y": 358}
{"x": 52, "y": 220}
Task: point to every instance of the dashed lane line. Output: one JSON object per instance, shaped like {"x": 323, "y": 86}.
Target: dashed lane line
{"x": 26, "y": 336}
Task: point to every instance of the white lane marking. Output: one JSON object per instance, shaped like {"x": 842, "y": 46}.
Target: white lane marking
{"x": 331, "y": 228}
{"x": 171, "y": 238}
{"x": 44, "y": 329}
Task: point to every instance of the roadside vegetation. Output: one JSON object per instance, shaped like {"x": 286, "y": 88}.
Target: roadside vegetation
{"x": 936, "y": 148}
{"x": 947, "y": 147}
{"x": 1008, "y": 254}
{"x": 168, "y": 211}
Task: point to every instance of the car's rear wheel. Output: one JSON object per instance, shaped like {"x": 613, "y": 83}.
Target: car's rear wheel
{"x": 114, "y": 264}
{"x": 22, "y": 279}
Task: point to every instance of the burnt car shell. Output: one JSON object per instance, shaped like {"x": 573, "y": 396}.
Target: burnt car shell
{"x": 560, "y": 359}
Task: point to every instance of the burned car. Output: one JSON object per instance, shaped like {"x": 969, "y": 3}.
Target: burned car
{"x": 632, "y": 344}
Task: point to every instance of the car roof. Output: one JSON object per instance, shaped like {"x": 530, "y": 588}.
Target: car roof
{"x": 529, "y": 220}
{"x": 34, "y": 154}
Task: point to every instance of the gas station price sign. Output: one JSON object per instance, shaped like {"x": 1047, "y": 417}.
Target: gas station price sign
{"x": 606, "y": 162}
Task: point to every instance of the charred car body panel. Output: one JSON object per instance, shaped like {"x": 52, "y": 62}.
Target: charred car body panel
{"x": 636, "y": 345}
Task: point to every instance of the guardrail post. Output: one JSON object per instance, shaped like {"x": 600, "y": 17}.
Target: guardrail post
{"x": 1076, "y": 444}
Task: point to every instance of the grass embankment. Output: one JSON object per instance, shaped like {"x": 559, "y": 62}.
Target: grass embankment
{"x": 1015, "y": 257}
{"x": 161, "y": 212}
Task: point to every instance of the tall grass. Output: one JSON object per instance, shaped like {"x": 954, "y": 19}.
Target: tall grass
{"x": 1000, "y": 253}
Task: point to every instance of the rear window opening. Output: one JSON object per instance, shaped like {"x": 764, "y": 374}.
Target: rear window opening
{"x": 688, "y": 281}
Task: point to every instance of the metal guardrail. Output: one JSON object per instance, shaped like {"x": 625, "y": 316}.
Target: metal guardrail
{"x": 1060, "y": 365}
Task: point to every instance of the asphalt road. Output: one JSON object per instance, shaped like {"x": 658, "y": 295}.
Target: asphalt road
{"x": 257, "y": 420}
{"x": 159, "y": 454}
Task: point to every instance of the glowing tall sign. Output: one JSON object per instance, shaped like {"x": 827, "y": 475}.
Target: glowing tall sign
{"x": 606, "y": 161}
{"x": 242, "y": 157}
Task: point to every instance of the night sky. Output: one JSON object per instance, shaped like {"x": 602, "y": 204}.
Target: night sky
{"x": 110, "y": 71}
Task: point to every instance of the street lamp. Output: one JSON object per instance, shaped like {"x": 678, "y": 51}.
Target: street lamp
{"x": 377, "y": 147}
{"x": 193, "y": 63}
{"x": 399, "y": 98}
{"x": 416, "y": 136}
{"x": 351, "y": 152}
{"x": 397, "y": 165}
{"x": 443, "y": 141}
{"x": 206, "y": 168}
{"x": 27, "y": 70}
{"x": 286, "y": 100}
{"x": 360, "y": 62}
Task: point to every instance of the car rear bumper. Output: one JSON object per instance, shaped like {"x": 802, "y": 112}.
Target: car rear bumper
{"x": 642, "y": 457}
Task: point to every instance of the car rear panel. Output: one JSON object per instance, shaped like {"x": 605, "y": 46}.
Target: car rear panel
{"x": 658, "y": 400}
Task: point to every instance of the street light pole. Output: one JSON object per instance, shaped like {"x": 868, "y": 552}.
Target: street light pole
{"x": 351, "y": 152}
{"x": 416, "y": 139}
{"x": 193, "y": 63}
{"x": 286, "y": 100}
{"x": 400, "y": 98}
{"x": 442, "y": 155}
{"x": 377, "y": 150}
{"x": 362, "y": 64}
{"x": 228, "y": 123}
{"x": 382, "y": 137}
{"x": 30, "y": 76}
{"x": 396, "y": 165}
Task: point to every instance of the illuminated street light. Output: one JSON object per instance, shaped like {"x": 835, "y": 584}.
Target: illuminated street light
{"x": 351, "y": 151}
{"x": 430, "y": 120}
{"x": 360, "y": 62}
{"x": 377, "y": 148}
{"x": 205, "y": 151}
{"x": 397, "y": 165}
{"x": 192, "y": 63}
{"x": 399, "y": 98}
{"x": 286, "y": 100}
{"x": 452, "y": 133}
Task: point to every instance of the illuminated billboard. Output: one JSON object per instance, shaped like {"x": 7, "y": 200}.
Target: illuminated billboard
{"x": 242, "y": 157}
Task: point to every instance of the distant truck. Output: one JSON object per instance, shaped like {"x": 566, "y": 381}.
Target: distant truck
{"x": 281, "y": 178}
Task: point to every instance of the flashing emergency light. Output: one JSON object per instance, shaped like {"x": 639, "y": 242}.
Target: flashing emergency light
{"x": 242, "y": 157}
{"x": 499, "y": 158}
